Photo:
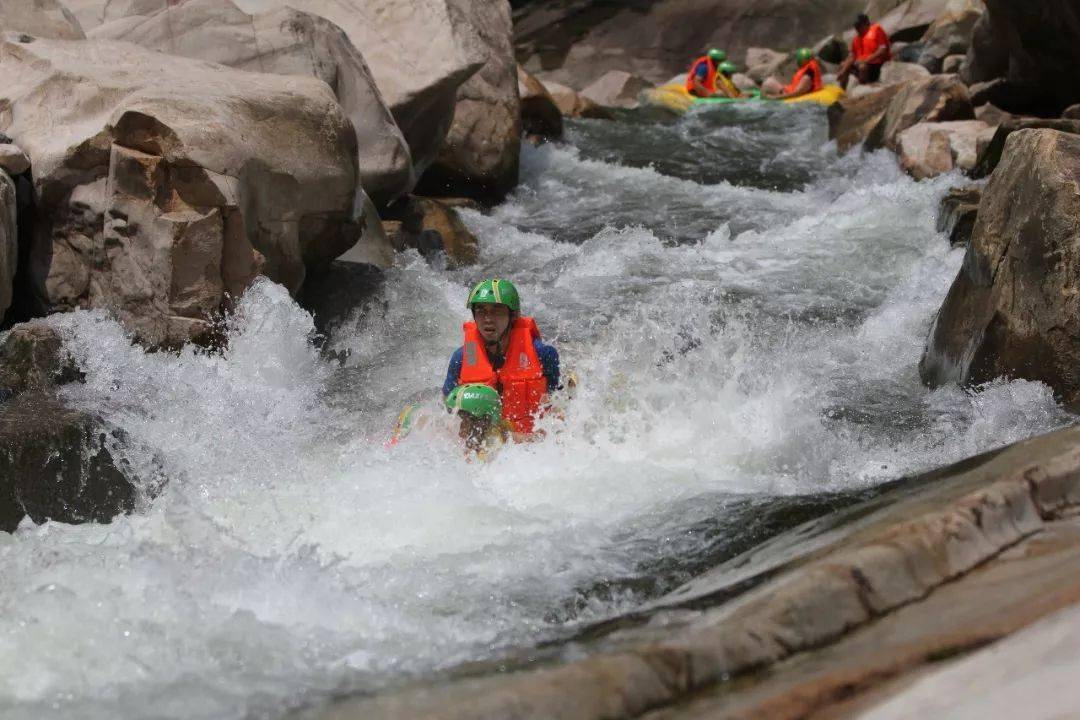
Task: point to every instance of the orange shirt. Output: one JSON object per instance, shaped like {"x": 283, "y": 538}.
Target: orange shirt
{"x": 865, "y": 45}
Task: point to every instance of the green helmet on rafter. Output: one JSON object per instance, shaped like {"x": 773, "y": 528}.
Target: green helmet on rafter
{"x": 495, "y": 292}
{"x": 481, "y": 401}
{"x": 717, "y": 55}
{"x": 727, "y": 68}
{"x": 803, "y": 56}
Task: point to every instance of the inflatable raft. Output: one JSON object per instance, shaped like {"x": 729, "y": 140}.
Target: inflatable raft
{"x": 678, "y": 99}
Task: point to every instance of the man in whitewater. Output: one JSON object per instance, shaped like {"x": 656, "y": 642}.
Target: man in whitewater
{"x": 807, "y": 79}
{"x": 869, "y": 51}
{"x": 502, "y": 349}
{"x": 708, "y": 79}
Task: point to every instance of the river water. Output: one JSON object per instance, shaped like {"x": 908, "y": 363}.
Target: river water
{"x": 745, "y": 311}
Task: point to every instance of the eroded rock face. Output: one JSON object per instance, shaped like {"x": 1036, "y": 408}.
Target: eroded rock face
{"x": 930, "y": 149}
{"x": 40, "y": 18}
{"x": 938, "y": 98}
{"x": 56, "y": 464}
{"x": 164, "y": 184}
{"x": 282, "y": 42}
{"x": 479, "y": 157}
{"x": 419, "y": 51}
{"x": 1013, "y": 310}
{"x": 540, "y": 116}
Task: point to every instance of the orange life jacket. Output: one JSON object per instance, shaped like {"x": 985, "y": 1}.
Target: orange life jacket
{"x": 865, "y": 45}
{"x": 520, "y": 381}
{"x": 710, "y": 78}
{"x": 812, "y": 68}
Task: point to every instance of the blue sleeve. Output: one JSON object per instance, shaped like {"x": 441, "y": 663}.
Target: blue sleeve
{"x": 549, "y": 361}
{"x": 702, "y": 71}
{"x": 453, "y": 372}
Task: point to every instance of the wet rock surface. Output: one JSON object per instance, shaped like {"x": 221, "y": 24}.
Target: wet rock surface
{"x": 1011, "y": 311}
{"x": 56, "y": 464}
{"x": 957, "y": 213}
{"x": 540, "y": 115}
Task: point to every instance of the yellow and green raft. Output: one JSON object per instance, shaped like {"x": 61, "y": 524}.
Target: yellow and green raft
{"x": 677, "y": 99}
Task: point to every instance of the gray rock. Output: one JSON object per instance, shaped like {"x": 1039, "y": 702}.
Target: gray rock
{"x": 165, "y": 185}
{"x": 57, "y": 464}
{"x": 13, "y": 160}
{"x": 957, "y": 213}
{"x": 480, "y": 155}
{"x": 1011, "y": 311}
{"x": 991, "y": 155}
{"x": 32, "y": 358}
{"x": 282, "y": 42}
{"x": 540, "y": 116}
{"x": 938, "y": 98}
{"x": 616, "y": 89}
{"x": 952, "y": 64}
{"x": 949, "y": 34}
{"x": 853, "y": 118}
{"x": 39, "y": 18}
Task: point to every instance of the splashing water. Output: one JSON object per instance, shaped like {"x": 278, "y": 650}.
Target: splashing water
{"x": 745, "y": 310}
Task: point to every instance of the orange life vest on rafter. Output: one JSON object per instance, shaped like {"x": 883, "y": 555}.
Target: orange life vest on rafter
{"x": 520, "y": 381}
{"x": 710, "y": 78}
{"x": 812, "y": 68}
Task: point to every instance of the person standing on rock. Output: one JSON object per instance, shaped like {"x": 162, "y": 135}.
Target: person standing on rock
{"x": 807, "y": 79}
{"x": 502, "y": 349}
{"x": 869, "y": 51}
{"x": 705, "y": 78}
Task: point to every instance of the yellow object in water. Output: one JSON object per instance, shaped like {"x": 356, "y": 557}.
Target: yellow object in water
{"x": 678, "y": 99}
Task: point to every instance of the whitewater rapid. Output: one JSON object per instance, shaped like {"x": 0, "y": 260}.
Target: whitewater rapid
{"x": 745, "y": 311}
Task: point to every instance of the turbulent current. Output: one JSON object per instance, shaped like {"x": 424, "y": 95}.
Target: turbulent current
{"x": 745, "y": 311}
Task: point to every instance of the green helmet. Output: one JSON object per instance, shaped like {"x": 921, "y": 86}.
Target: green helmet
{"x": 495, "y": 292}
{"x": 477, "y": 400}
{"x": 804, "y": 55}
{"x": 717, "y": 55}
{"x": 727, "y": 68}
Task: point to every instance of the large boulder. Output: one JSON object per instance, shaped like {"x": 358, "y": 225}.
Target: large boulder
{"x": 894, "y": 72}
{"x": 482, "y": 149}
{"x": 992, "y": 154}
{"x": 284, "y": 42}
{"x": 9, "y": 242}
{"x": 938, "y": 98}
{"x": 950, "y": 33}
{"x": 56, "y": 464}
{"x": 1013, "y": 309}
{"x": 164, "y": 185}
{"x": 1033, "y": 44}
{"x": 933, "y": 148}
{"x": 40, "y": 18}
{"x": 616, "y": 89}
{"x": 540, "y": 116}
{"x": 853, "y": 117}
{"x": 419, "y": 51}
